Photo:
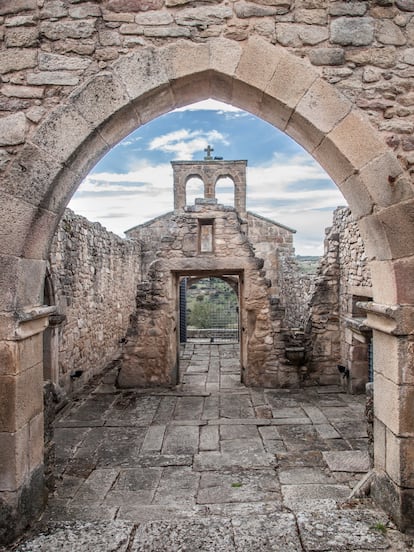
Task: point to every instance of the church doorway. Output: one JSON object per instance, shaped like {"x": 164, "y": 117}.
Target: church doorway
{"x": 209, "y": 319}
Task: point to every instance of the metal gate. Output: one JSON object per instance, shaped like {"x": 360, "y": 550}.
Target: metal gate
{"x": 183, "y": 311}
{"x": 212, "y": 311}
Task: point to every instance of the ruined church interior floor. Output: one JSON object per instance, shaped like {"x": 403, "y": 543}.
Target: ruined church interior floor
{"x": 212, "y": 466}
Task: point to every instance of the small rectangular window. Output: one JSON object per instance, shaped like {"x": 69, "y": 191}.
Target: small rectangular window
{"x": 206, "y": 236}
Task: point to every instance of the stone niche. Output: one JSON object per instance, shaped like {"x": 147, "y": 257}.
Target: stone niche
{"x": 201, "y": 240}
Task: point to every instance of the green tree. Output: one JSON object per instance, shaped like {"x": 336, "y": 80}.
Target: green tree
{"x": 200, "y": 315}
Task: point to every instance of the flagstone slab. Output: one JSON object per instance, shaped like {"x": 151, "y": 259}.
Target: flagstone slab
{"x": 209, "y": 438}
{"x": 132, "y": 409}
{"x": 238, "y": 431}
{"x": 356, "y": 461}
{"x": 181, "y": 440}
{"x": 308, "y": 458}
{"x": 247, "y": 445}
{"x": 214, "y": 461}
{"x": 341, "y": 530}
{"x": 238, "y": 509}
{"x": 189, "y": 408}
{"x": 288, "y": 412}
{"x": 352, "y": 429}
{"x": 94, "y": 408}
{"x": 327, "y": 431}
{"x": 127, "y": 498}
{"x": 241, "y": 486}
{"x": 197, "y": 368}
{"x": 272, "y": 533}
{"x": 238, "y": 421}
{"x": 68, "y": 536}
{"x": 274, "y": 446}
{"x": 315, "y": 414}
{"x": 170, "y": 536}
{"x": 293, "y": 495}
{"x": 152, "y": 512}
{"x": 269, "y": 433}
{"x": 154, "y": 438}
{"x": 178, "y": 485}
{"x": 120, "y": 447}
{"x": 304, "y": 476}
{"x": 137, "y": 479}
{"x": 289, "y": 421}
{"x": 96, "y": 486}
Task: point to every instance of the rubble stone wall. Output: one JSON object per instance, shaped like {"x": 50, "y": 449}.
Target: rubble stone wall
{"x": 94, "y": 275}
{"x": 274, "y": 244}
{"x": 335, "y": 328}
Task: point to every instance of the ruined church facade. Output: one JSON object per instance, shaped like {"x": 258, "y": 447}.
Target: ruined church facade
{"x": 203, "y": 240}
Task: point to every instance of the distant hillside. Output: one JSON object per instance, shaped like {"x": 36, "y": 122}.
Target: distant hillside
{"x": 308, "y": 263}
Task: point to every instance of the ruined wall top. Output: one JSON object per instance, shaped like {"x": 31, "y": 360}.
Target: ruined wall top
{"x": 210, "y": 171}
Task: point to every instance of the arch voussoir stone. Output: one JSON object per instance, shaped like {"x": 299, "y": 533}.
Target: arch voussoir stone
{"x": 142, "y": 72}
{"x": 346, "y": 150}
{"x": 63, "y": 132}
{"x": 250, "y": 72}
{"x": 191, "y": 89}
{"x": 398, "y": 220}
{"x": 224, "y": 56}
{"x": 390, "y": 281}
{"x": 17, "y": 217}
{"x": 384, "y": 178}
{"x": 357, "y": 140}
{"x": 285, "y": 86}
{"x": 355, "y": 190}
{"x": 28, "y": 179}
{"x": 323, "y": 107}
{"x": 184, "y": 58}
{"x": 99, "y": 98}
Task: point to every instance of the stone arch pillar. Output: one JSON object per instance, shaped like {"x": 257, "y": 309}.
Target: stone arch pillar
{"x": 285, "y": 91}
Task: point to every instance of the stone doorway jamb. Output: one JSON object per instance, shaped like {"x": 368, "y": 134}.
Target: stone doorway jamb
{"x": 393, "y": 481}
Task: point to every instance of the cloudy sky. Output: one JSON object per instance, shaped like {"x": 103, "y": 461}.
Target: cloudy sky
{"x": 133, "y": 182}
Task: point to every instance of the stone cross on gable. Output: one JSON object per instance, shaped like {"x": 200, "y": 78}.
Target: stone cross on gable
{"x": 208, "y": 150}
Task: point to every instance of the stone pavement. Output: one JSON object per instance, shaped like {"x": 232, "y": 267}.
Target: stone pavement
{"x": 212, "y": 466}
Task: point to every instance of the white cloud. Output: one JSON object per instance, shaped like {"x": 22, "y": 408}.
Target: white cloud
{"x": 210, "y": 105}
{"x": 184, "y": 143}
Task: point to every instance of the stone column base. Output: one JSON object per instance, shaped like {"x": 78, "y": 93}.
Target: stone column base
{"x": 18, "y": 509}
{"x": 397, "y": 501}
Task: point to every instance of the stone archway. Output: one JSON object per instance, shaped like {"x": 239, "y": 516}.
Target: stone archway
{"x": 283, "y": 90}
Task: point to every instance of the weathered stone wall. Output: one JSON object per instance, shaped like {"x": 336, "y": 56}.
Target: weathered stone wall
{"x": 355, "y": 285}
{"x": 94, "y": 275}
{"x": 273, "y": 242}
{"x": 365, "y": 49}
{"x": 335, "y": 329}
{"x": 295, "y": 291}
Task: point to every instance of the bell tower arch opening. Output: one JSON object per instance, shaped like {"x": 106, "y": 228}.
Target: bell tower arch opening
{"x": 194, "y": 189}
{"x": 225, "y": 191}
